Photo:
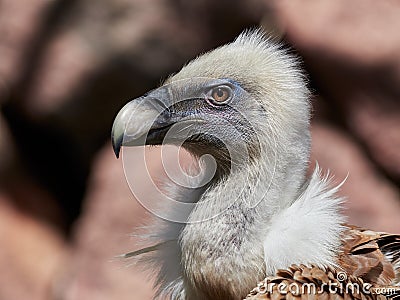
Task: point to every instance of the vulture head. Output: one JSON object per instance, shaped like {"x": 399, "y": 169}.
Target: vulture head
{"x": 239, "y": 102}
{"x": 247, "y": 105}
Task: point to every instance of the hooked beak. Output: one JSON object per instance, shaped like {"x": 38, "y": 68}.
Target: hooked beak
{"x": 142, "y": 121}
{"x": 168, "y": 114}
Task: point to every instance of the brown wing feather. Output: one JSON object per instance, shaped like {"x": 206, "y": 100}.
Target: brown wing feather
{"x": 313, "y": 283}
{"x": 390, "y": 247}
{"x": 366, "y": 257}
{"x": 370, "y": 255}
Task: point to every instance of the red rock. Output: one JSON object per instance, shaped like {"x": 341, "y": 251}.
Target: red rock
{"x": 31, "y": 254}
{"x": 372, "y": 201}
{"x": 19, "y": 21}
{"x": 363, "y": 31}
{"x": 109, "y": 217}
{"x": 352, "y": 52}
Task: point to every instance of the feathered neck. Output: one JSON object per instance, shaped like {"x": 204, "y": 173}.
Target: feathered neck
{"x": 244, "y": 227}
{"x": 247, "y": 226}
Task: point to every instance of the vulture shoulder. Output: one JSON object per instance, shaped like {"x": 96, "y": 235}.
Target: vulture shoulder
{"x": 372, "y": 256}
{"x": 368, "y": 268}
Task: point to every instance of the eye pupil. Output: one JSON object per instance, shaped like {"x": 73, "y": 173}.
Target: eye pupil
{"x": 220, "y": 94}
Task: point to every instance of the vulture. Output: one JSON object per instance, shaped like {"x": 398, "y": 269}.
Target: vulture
{"x": 254, "y": 217}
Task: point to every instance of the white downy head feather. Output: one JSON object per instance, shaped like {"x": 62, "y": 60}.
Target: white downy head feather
{"x": 309, "y": 231}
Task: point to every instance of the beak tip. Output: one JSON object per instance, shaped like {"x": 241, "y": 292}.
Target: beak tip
{"x": 116, "y": 144}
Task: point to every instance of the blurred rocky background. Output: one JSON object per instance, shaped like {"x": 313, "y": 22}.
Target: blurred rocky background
{"x": 67, "y": 67}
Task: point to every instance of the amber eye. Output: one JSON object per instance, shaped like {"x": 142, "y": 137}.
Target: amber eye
{"x": 221, "y": 94}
